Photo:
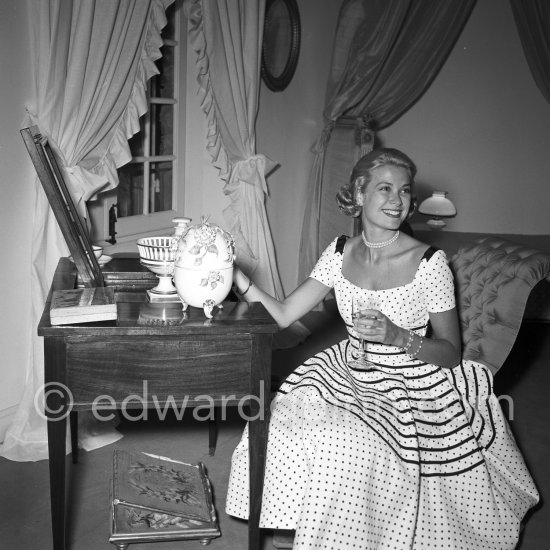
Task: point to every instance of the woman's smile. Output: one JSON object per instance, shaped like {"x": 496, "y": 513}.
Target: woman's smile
{"x": 392, "y": 213}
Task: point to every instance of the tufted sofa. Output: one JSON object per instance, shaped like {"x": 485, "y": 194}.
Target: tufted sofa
{"x": 494, "y": 279}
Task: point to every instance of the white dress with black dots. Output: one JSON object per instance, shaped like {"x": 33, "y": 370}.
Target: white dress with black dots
{"x": 408, "y": 456}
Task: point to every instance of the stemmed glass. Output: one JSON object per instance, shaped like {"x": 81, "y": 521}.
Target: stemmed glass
{"x": 359, "y": 307}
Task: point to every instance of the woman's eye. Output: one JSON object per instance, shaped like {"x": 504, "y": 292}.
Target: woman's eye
{"x": 406, "y": 191}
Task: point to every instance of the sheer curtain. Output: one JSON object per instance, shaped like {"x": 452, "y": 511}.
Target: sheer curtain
{"x": 533, "y": 23}
{"x": 91, "y": 59}
{"x": 386, "y": 54}
{"x": 227, "y": 36}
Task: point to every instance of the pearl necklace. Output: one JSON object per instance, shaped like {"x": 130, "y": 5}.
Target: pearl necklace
{"x": 368, "y": 244}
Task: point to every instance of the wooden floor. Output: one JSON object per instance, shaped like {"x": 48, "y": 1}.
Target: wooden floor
{"x": 24, "y": 500}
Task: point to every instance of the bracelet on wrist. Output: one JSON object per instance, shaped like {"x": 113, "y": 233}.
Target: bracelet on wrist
{"x": 409, "y": 343}
{"x": 419, "y": 347}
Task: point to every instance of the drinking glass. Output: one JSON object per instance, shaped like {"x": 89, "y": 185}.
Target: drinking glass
{"x": 359, "y": 307}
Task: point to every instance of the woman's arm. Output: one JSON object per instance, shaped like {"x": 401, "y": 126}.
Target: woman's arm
{"x": 442, "y": 348}
{"x": 292, "y": 308}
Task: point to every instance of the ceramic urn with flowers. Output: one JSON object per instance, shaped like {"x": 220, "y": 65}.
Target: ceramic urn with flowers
{"x": 203, "y": 266}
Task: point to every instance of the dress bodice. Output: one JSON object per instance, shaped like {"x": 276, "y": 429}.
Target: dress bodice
{"x": 408, "y": 305}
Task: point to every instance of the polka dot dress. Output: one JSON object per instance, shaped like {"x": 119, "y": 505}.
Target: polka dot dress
{"x": 407, "y": 456}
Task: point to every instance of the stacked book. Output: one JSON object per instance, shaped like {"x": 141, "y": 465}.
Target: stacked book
{"x": 82, "y": 305}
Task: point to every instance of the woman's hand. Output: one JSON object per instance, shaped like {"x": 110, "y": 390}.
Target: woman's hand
{"x": 442, "y": 349}
{"x": 374, "y": 326}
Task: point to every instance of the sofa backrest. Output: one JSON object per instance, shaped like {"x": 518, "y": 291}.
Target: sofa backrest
{"x": 493, "y": 280}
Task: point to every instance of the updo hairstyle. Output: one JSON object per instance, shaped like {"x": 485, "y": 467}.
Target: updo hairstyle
{"x": 361, "y": 176}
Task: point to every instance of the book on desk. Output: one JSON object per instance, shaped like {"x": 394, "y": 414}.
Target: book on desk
{"x": 82, "y": 305}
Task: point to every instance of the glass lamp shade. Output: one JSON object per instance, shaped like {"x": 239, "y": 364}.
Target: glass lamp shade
{"x": 437, "y": 206}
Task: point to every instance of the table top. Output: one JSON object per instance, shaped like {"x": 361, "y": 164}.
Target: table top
{"x": 137, "y": 316}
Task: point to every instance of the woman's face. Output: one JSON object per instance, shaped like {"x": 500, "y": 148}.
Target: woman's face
{"x": 387, "y": 198}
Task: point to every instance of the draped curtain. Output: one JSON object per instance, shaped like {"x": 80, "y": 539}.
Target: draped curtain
{"x": 533, "y": 23}
{"x": 91, "y": 61}
{"x": 386, "y": 54}
{"x": 227, "y": 37}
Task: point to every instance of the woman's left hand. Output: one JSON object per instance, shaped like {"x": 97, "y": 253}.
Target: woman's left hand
{"x": 374, "y": 326}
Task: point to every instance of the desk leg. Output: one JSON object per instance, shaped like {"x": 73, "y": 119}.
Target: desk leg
{"x": 258, "y": 430}
{"x": 56, "y": 408}
{"x": 57, "y": 430}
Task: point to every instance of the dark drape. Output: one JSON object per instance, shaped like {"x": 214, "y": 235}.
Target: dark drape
{"x": 397, "y": 49}
{"x": 533, "y": 23}
{"x": 386, "y": 54}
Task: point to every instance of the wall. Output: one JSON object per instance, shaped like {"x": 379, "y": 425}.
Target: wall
{"x": 15, "y": 207}
{"x": 481, "y": 132}
{"x": 288, "y": 124}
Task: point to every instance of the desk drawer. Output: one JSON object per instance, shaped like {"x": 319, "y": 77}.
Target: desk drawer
{"x": 153, "y": 367}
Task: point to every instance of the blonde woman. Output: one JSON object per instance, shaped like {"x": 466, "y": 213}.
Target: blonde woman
{"x": 406, "y": 448}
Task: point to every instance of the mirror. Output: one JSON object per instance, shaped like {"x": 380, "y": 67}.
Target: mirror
{"x": 281, "y": 43}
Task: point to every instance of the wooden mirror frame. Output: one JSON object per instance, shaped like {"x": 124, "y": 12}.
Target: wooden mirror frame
{"x": 71, "y": 224}
{"x": 278, "y": 82}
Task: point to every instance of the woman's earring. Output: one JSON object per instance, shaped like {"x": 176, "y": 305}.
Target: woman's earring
{"x": 412, "y": 208}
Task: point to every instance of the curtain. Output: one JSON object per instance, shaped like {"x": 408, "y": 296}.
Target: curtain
{"x": 227, "y": 37}
{"x": 91, "y": 61}
{"x": 385, "y": 56}
{"x": 533, "y": 23}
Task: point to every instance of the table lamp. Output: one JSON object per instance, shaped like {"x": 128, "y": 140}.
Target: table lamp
{"x": 438, "y": 206}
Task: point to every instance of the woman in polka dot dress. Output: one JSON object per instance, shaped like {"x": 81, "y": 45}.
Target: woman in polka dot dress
{"x": 412, "y": 454}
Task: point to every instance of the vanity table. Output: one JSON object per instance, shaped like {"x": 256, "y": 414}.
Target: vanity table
{"x": 163, "y": 357}
{"x": 227, "y": 358}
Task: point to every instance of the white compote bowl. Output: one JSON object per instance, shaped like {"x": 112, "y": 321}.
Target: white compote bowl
{"x": 157, "y": 254}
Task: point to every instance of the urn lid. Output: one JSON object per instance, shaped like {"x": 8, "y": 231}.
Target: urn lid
{"x": 205, "y": 246}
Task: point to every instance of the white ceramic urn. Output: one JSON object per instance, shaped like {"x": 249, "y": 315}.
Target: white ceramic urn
{"x": 203, "y": 266}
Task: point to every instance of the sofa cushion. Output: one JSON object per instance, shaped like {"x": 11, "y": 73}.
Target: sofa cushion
{"x": 494, "y": 278}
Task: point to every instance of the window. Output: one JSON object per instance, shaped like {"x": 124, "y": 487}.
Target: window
{"x": 146, "y": 182}
{"x": 146, "y": 198}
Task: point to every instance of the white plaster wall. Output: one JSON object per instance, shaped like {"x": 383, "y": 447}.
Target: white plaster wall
{"x": 288, "y": 124}
{"x": 482, "y": 131}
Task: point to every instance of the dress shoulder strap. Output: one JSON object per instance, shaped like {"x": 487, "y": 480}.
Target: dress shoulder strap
{"x": 340, "y": 243}
{"x": 429, "y": 253}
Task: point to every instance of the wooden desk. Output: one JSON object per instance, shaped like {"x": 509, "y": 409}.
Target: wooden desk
{"x": 227, "y": 358}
